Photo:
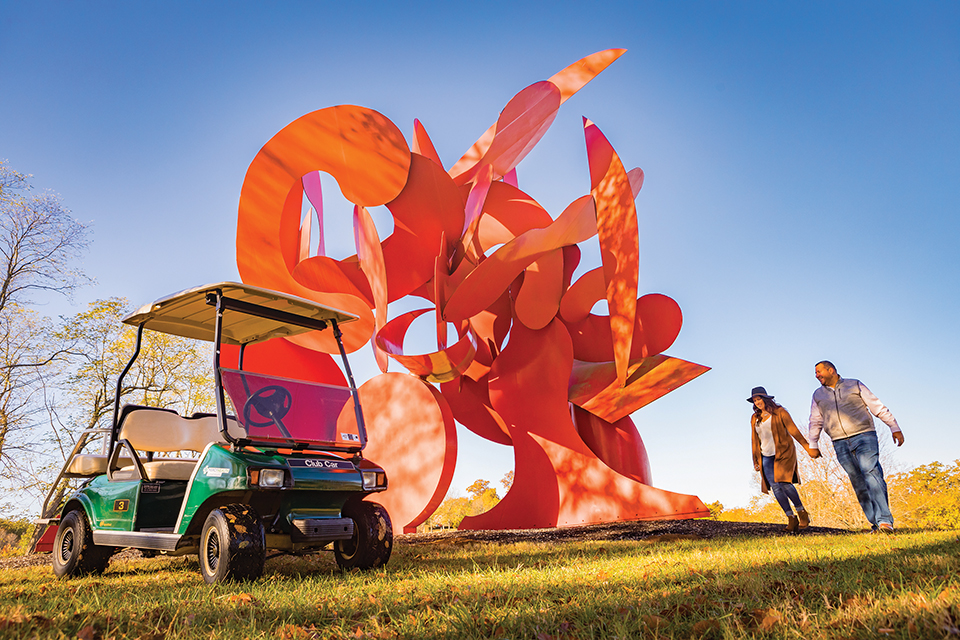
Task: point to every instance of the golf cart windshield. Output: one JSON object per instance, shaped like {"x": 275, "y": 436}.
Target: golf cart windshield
{"x": 292, "y": 413}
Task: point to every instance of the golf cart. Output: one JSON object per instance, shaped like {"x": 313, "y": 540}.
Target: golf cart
{"x": 285, "y": 473}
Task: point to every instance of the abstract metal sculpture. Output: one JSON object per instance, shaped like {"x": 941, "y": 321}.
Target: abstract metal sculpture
{"x": 532, "y": 367}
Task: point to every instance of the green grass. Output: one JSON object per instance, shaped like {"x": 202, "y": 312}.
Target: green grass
{"x": 843, "y": 586}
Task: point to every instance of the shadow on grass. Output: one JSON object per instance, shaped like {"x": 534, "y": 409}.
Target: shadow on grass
{"x": 850, "y": 586}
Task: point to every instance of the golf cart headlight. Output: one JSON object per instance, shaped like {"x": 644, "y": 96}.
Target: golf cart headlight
{"x": 271, "y": 478}
{"x": 373, "y": 479}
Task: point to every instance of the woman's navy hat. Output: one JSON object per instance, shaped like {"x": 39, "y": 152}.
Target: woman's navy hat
{"x": 759, "y": 391}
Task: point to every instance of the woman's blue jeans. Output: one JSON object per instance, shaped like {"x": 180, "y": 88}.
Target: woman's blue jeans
{"x": 784, "y": 492}
{"x": 859, "y": 456}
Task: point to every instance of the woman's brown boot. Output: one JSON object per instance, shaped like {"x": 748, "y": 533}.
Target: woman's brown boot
{"x": 804, "y": 518}
{"x": 792, "y": 523}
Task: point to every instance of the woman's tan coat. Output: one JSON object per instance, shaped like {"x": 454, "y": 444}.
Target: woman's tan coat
{"x": 785, "y": 463}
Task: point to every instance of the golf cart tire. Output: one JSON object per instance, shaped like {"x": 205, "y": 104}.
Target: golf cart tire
{"x": 372, "y": 539}
{"x": 232, "y": 545}
{"x": 74, "y": 553}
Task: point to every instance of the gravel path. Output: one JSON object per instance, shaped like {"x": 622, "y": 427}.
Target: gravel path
{"x": 649, "y": 530}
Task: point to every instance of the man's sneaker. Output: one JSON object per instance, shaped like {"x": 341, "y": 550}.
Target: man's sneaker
{"x": 885, "y": 527}
{"x": 804, "y": 518}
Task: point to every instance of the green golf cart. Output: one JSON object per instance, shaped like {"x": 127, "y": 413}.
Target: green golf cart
{"x": 286, "y": 473}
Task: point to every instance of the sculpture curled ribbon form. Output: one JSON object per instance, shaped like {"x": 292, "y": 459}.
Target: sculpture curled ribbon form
{"x": 532, "y": 366}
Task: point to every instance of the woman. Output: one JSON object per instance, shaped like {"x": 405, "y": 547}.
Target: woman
{"x": 774, "y": 455}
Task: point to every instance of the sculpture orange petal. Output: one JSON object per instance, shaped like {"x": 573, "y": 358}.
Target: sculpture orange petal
{"x": 619, "y": 240}
{"x": 568, "y": 81}
{"x": 594, "y": 385}
{"x": 359, "y": 147}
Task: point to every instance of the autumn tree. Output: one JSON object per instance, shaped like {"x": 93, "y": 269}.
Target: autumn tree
{"x": 39, "y": 244}
{"x": 927, "y": 497}
{"x": 454, "y": 509}
{"x": 170, "y": 372}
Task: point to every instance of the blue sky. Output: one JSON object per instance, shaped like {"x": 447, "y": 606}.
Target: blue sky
{"x": 802, "y": 167}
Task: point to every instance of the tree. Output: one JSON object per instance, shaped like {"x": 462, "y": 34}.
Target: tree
{"x": 22, "y": 333}
{"x": 716, "y": 509}
{"x": 454, "y": 509}
{"x": 39, "y": 242}
{"x": 927, "y": 496}
{"x": 449, "y": 514}
{"x": 170, "y": 372}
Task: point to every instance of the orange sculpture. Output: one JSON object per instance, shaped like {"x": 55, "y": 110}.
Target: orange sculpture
{"x": 532, "y": 367}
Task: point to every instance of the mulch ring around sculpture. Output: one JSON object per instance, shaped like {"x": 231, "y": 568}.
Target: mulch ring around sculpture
{"x": 650, "y": 531}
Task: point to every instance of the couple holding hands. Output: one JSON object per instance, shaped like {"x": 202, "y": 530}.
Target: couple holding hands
{"x": 844, "y": 408}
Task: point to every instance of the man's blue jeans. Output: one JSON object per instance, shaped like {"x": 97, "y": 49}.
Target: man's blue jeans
{"x": 859, "y": 456}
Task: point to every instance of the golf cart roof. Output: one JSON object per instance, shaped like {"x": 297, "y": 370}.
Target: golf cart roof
{"x": 187, "y": 314}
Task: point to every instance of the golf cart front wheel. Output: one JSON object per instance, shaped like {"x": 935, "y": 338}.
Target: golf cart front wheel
{"x": 372, "y": 539}
{"x": 74, "y": 553}
{"x": 232, "y": 545}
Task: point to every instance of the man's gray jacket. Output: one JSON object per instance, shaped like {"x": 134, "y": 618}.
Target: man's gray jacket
{"x": 845, "y": 410}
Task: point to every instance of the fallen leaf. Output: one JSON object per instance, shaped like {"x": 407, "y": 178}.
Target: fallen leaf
{"x": 884, "y": 630}
{"x": 654, "y": 622}
{"x": 240, "y": 598}
{"x": 88, "y": 633}
{"x": 769, "y": 621}
{"x": 705, "y": 626}
{"x": 17, "y": 616}
{"x": 947, "y": 594}
{"x": 294, "y": 632}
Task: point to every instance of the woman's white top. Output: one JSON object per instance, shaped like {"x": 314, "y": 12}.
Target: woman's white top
{"x": 767, "y": 446}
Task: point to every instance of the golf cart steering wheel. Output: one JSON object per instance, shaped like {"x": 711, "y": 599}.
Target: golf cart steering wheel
{"x": 271, "y": 402}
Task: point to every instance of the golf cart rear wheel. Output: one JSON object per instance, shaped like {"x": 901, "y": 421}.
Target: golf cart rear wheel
{"x": 372, "y": 539}
{"x": 74, "y": 553}
{"x": 232, "y": 544}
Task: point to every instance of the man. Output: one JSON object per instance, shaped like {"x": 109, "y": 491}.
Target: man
{"x": 843, "y": 408}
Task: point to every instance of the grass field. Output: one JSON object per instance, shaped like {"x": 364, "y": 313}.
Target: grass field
{"x": 811, "y": 586}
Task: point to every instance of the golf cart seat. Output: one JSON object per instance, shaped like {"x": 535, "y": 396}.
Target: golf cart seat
{"x": 87, "y": 465}
{"x": 154, "y": 429}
